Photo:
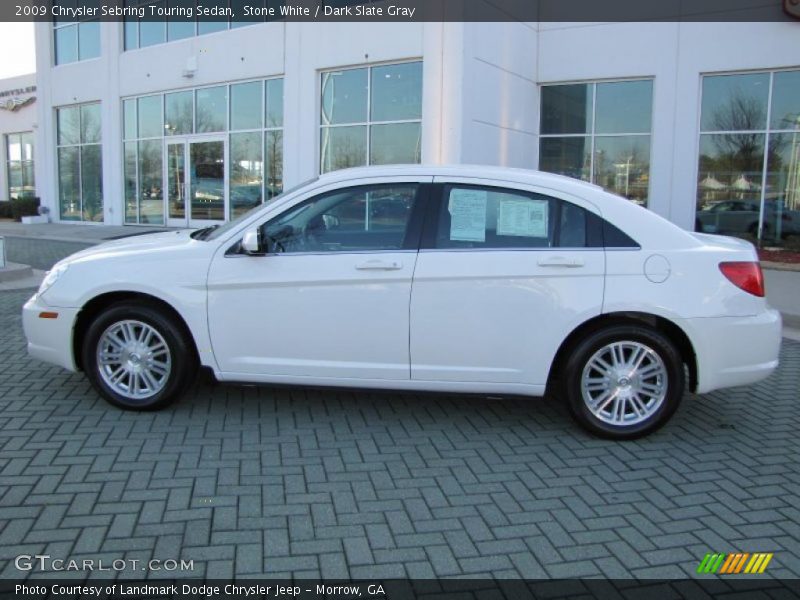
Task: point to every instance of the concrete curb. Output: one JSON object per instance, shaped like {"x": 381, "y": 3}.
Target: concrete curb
{"x": 791, "y": 321}
{"x": 15, "y": 271}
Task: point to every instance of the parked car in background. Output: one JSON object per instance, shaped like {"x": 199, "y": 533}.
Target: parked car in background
{"x": 738, "y": 217}
{"x": 464, "y": 280}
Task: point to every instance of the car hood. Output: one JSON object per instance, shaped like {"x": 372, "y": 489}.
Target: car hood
{"x": 134, "y": 244}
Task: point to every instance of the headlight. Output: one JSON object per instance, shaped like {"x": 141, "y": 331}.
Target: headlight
{"x": 51, "y": 277}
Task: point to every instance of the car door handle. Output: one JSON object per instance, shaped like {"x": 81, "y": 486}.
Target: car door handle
{"x": 379, "y": 265}
{"x": 569, "y": 262}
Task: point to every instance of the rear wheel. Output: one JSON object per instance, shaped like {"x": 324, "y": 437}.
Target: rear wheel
{"x": 137, "y": 358}
{"x": 624, "y": 381}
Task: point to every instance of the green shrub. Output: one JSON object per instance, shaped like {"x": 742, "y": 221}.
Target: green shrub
{"x": 5, "y": 210}
{"x": 24, "y": 207}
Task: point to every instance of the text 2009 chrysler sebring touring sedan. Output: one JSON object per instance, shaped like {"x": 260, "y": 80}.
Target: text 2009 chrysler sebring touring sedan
{"x": 457, "y": 279}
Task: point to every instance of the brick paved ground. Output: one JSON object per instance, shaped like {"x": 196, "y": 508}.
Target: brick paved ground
{"x": 252, "y": 480}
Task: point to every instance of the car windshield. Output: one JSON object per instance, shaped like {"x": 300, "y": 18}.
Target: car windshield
{"x": 212, "y": 233}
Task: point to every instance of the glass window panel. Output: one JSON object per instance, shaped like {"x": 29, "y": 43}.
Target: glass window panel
{"x": 492, "y": 217}
{"x": 69, "y": 188}
{"x": 343, "y": 147}
{"x": 246, "y": 171}
{"x": 14, "y": 147}
{"x": 273, "y": 141}
{"x": 246, "y": 109}
{"x": 15, "y": 182}
{"x": 176, "y": 180}
{"x": 358, "y": 218}
{"x": 150, "y": 117}
{"x": 212, "y": 109}
{"x": 151, "y": 183}
{"x": 131, "y": 34}
{"x": 396, "y": 143}
{"x": 786, "y": 100}
{"x": 89, "y": 40}
{"x": 90, "y": 123}
{"x": 130, "y": 168}
{"x": 92, "y": 183}
{"x": 129, "y": 109}
{"x": 28, "y": 179}
{"x": 735, "y": 102}
{"x": 729, "y": 184}
{"x": 566, "y": 108}
{"x": 782, "y": 192}
{"x": 570, "y": 156}
{"x": 274, "y": 103}
{"x": 204, "y": 27}
{"x": 623, "y": 107}
{"x": 397, "y": 92}
{"x": 66, "y": 44}
{"x": 69, "y": 125}
{"x": 622, "y": 166}
{"x": 207, "y": 180}
{"x": 152, "y": 32}
{"x": 179, "y": 30}
{"x": 178, "y": 113}
{"x": 26, "y": 142}
{"x": 344, "y": 97}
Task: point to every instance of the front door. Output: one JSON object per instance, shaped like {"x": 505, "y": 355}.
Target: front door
{"x": 329, "y": 297}
{"x": 196, "y": 182}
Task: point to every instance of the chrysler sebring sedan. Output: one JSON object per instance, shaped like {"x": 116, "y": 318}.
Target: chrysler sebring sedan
{"x": 451, "y": 279}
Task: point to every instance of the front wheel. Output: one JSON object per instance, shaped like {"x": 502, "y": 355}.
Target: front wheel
{"x": 137, "y": 358}
{"x": 624, "y": 381}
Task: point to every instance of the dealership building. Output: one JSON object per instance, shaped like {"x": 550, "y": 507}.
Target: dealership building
{"x": 188, "y": 123}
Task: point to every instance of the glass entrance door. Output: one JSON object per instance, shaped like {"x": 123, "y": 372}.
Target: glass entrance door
{"x": 196, "y": 182}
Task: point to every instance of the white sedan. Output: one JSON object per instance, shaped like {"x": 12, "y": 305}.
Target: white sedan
{"x": 452, "y": 279}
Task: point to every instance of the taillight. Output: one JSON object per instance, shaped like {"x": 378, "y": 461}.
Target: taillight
{"x": 745, "y": 275}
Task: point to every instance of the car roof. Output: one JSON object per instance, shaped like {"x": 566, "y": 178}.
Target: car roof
{"x": 510, "y": 174}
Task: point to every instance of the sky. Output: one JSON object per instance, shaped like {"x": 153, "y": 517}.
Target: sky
{"x": 17, "y": 51}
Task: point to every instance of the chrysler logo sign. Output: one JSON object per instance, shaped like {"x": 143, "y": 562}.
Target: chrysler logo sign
{"x": 792, "y": 8}
{"x": 12, "y": 100}
{"x": 13, "y": 104}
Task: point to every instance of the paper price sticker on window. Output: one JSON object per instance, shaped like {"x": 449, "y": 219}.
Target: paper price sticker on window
{"x": 524, "y": 218}
{"x": 467, "y": 210}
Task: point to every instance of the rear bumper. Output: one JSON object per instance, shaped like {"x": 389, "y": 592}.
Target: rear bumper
{"x": 49, "y": 340}
{"x": 733, "y": 351}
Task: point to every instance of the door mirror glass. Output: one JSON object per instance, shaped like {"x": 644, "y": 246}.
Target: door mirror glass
{"x": 251, "y": 242}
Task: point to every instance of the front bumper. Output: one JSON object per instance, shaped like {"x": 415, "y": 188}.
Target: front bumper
{"x": 50, "y": 339}
{"x": 733, "y": 351}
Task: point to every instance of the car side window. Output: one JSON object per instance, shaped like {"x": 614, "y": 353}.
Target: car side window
{"x": 486, "y": 217}
{"x": 353, "y": 219}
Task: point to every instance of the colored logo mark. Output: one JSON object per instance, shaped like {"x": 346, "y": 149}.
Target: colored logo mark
{"x": 735, "y": 562}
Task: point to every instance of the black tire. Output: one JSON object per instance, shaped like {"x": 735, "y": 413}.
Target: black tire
{"x": 181, "y": 352}
{"x": 582, "y": 354}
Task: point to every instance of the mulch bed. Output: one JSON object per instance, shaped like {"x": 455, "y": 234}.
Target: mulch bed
{"x": 780, "y": 256}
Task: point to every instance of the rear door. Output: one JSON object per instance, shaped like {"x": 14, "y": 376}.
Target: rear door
{"x": 503, "y": 275}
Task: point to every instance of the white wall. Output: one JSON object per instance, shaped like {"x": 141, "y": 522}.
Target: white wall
{"x": 22, "y": 119}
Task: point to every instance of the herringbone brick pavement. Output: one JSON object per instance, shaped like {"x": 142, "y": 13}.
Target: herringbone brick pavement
{"x": 292, "y": 482}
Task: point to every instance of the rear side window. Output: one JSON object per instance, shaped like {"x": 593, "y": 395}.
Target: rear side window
{"x": 486, "y": 217}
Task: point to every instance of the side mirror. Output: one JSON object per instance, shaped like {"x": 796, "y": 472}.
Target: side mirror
{"x": 251, "y": 242}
